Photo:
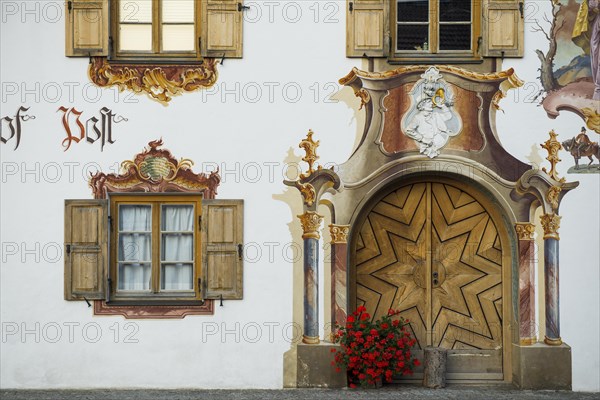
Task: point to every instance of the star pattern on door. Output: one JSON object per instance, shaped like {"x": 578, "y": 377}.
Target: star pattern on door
{"x": 434, "y": 230}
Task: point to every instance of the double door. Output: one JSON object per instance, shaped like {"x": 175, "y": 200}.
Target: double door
{"x": 433, "y": 251}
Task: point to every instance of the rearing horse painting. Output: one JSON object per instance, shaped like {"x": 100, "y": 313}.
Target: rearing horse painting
{"x": 579, "y": 150}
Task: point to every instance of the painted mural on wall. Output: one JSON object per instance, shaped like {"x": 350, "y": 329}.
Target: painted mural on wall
{"x": 431, "y": 120}
{"x": 570, "y": 75}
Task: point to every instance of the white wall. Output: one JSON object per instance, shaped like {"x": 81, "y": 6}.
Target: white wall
{"x": 214, "y": 127}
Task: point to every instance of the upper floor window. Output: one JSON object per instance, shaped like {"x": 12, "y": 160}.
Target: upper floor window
{"x": 175, "y": 31}
{"x": 434, "y": 31}
{"x": 434, "y": 26}
{"x": 156, "y": 29}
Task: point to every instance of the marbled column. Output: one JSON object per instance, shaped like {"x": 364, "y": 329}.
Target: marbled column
{"x": 339, "y": 258}
{"x": 527, "y": 331}
{"x": 551, "y": 223}
{"x": 311, "y": 221}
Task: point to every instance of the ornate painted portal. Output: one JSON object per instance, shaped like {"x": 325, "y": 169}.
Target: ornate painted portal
{"x": 441, "y": 230}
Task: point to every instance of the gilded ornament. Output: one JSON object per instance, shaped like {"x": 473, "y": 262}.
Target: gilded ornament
{"x": 160, "y": 83}
{"x": 308, "y": 192}
{"x": 339, "y": 233}
{"x": 592, "y": 118}
{"x": 525, "y": 230}
{"x": 551, "y": 224}
{"x": 310, "y": 147}
{"x": 311, "y": 222}
{"x": 364, "y": 97}
{"x": 310, "y": 339}
{"x": 552, "y": 196}
{"x": 553, "y": 342}
{"x": 552, "y": 146}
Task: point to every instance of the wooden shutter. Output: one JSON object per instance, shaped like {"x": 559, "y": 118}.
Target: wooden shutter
{"x": 221, "y": 26}
{"x": 367, "y": 30}
{"x": 503, "y": 28}
{"x": 86, "y": 28}
{"x": 222, "y": 248}
{"x": 86, "y": 249}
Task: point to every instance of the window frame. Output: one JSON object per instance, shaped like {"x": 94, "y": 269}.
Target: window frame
{"x": 156, "y": 55}
{"x": 434, "y": 55}
{"x": 156, "y": 200}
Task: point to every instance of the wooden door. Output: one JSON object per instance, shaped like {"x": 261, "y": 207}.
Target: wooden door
{"x": 434, "y": 252}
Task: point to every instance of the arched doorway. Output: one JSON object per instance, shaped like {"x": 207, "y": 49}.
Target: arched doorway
{"x": 438, "y": 250}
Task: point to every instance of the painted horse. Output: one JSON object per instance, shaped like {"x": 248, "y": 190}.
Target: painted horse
{"x": 582, "y": 150}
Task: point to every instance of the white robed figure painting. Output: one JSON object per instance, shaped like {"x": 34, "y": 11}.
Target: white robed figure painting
{"x": 431, "y": 120}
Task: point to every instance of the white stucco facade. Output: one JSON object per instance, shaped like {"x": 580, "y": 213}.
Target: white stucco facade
{"x": 248, "y": 125}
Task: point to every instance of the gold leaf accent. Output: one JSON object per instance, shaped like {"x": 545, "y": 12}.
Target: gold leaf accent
{"x": 310, "y": 147}
{"x": 525, "y": 230}
{"x": 592, "y": 118}
{"x": 308, "y": 192}
{"x": 159, "y": 82}
{"x": 552, "y": 196}
{"x": 363, "y": 95}
{"x": 552, "y": 146}
{"x": 311, "y": 221}
{"x": 551, "y": 224}
{"x": 339, "y": 233}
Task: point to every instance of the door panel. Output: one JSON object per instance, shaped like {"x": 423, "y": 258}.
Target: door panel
{"x": 432, "y": 251}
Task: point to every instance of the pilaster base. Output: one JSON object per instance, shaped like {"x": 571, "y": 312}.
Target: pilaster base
{"x": 314, "y": 369}
{"x": 540, "y": 366}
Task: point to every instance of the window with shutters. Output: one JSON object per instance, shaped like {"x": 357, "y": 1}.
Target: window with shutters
{"x": 161, "y": 48}
{"x": 154, "y": 235}
{"x": 154, "y": 30}
{"x": 434, "y": 31}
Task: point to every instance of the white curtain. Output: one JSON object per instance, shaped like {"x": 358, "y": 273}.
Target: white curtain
{"x": 177, "y": 247}
{"x": 135, "y": 247}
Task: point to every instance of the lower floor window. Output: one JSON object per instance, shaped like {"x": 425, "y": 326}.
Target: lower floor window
{"x": 157, "y": 245}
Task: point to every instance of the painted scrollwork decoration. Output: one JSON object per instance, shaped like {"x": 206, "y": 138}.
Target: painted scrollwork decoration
{"x": 308, "y": 192}
{"x": 431, "y": 120}
{"x": 159, "y": 82}
{"x": 310, "y": 147}
{"x": 552, "y": 146}
{"x": 155, "y": 170}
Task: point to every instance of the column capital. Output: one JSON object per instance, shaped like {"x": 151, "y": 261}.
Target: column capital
{"x": 311, "y": 221}
{"x": 551, "y": 224}
{"x": 339, "y": 233}
{"x": 525, "y": 230}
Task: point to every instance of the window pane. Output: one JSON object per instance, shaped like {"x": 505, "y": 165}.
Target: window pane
{"x": 413, "y": 11}
{"x": 178, "y": 38}
{"x": 135, "y": 37}
{"x": 177, "y": 247}
{"x": 455, "y": 10}
{"x": 455, "y": 37}
{"x": 135, "y": 247}
{"x": 177, "y": 218}
{"x": 177, "y": 277}
{"x": 413, "y": 37}
{"x": 134, "y": 276}
{"x": 135, "y": 218}
{"x": 135, "y": 11}
{"x": 178, "y": 11}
